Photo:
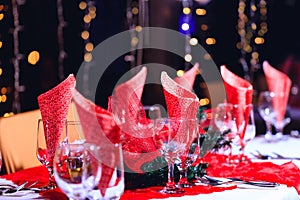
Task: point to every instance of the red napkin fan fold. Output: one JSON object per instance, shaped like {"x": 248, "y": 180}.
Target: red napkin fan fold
{"x": 238, "y": 90}
{"x": 99, "y": 128}
{"x": 280, "y": 84}
{"x": 125, "y": 104}
{"x": 54, "y": 105}
{"x": 187, "y": 80}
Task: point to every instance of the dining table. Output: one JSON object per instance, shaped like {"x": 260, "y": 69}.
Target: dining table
{"x": 284, "y": 170}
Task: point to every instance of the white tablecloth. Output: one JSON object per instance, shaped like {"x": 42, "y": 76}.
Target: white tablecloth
{"x": 289, "y": 147}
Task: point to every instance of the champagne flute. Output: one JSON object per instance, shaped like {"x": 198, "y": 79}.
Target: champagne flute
{"x": 47, "y": 142}
{"x": 77, "y": 169}
{"x": 266, "y": 111}
{"x": 171, "y": 136}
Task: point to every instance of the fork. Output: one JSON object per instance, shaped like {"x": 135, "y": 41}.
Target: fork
{"x": 284, "y": 157}
{"x": 14, "y": 189}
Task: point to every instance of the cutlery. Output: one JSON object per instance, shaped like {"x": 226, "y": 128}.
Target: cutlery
{"x": 217, "y": 181}
{"x": 13, "y": 189}
{"x": 279, "y": 156}
{"x": 270, "y": 157}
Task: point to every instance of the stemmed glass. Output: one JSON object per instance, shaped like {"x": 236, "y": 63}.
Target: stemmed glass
{"x": 250, "y": 130}
{"x": 266, "y": 111}
{"x": 77, "y": 169}
{"x": 0, "y": 161}
{"x": 230, "y": 117}
{"x": 190, "y": 155}
{"x": 171, "y": 136}
{"x": 46, "y": 148}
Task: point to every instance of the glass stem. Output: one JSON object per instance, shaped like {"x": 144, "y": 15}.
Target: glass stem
{"x": 171, "y": 183}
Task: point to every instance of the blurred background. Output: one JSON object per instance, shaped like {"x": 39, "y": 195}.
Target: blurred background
{"x": 42, "y": 42}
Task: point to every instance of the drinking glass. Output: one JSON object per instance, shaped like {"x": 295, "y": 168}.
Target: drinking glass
{"x": 47, "y": 143}
{"x": 266, "y": 111}
{"x": 0, "y": 161}
{"x": 171, "y": 136}
{"x": 230, "y": 118}
{"x": 190, "y": 155}
{"x": 250, "y": 130}
{"x": 77, "y": 169}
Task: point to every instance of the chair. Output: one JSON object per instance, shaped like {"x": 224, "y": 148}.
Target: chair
{"x": 18, "y": 139}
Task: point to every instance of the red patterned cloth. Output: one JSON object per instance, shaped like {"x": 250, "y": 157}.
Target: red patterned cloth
{"x": 279, "y": 83}
{"x": 181, "y": 103}
{"x": 238, "y": 90}
{"x": 188, "y": 78}
{"x": 54, "y": 105}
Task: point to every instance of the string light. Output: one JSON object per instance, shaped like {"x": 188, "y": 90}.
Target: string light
{"x": 60, "y": 39}
{"x": 90, "y": 12}
{"x": 251, "y": 34}
{"x": 16, "y": 105}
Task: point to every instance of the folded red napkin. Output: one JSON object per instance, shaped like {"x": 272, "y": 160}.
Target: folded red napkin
{"x": 54, "y": 105}
{"x": 125, "y": 104}
{"x": 99, "y": 128}
{"x": 188, "y": 78}
{"x": 181, "y": 103}
{"x": 279, "y": 83}
{"x": 238, "y": 90}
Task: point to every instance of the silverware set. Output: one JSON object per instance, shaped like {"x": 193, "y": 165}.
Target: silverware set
{"x": 8, "y": 188}
{"x": 274, "y": 155}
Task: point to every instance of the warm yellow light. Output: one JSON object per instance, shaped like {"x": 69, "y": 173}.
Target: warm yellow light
{"x": 92, "y": 15}
{"x": 253, "y": 8}
{"x": 33, "y": 57}
{"x": 180, "y": 72}
{"x": 248, "y": 48}
{"x": 188, "y": 57}
{"x": 193, "y": 41}
{"x": 87, "y": 19}
{"x": 1, "y": 7}
{"x": 3, "y": 90}
{"x": 1, "y": 16}
{"x": 8, "y": 114}
{"x": 138, "y": 28}
{"x": 135, "y": 10}
{"x": 204, "y": 27}
{"x": 210, "y": 41}
{"x": 85, "y": 35}
{"x": 82, "y": 5}
{"x": 239, "y": 45}
{"x": 88, "y": 57}
{"x": 259, "y": 40}
{"x": 1, "y": 71}
{"x": 92, "y": 9}
{"x": 255, "y": 55}
{"x": 200, "y": 11}
{"x": 3, "y": 98}
{"x": 186, "y": 11}
{"x": 204, "y": 102}
{"x": 89, "y": 46}
{"x": 134, "y": 41}
{"x": 1, "y": 44}
{"x": 185, "y": 26}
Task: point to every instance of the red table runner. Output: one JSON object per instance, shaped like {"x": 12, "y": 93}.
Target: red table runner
{"x": 287, "y": 173}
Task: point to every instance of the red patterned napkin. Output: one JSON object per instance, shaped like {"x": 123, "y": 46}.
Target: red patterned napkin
{"x": 238, "y": 90}
{"x": 181, "y": 103}
{"x": 288, "y": 173}
{"x": 125, "y": 104}
{"x": 54, "y": 105}
{"x": 279, "y": 83}
{"x": 188, "y": 78}
{"x": 99, "y": 128}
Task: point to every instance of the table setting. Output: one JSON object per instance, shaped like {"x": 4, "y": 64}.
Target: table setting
{"x": 136, "y": 151}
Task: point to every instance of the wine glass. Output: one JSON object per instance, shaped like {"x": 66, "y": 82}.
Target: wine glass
{"x": 190, "y": 155}
{"x": 266, "y": 111}
{"x": 250, "y": 129}
{"x": 171, "y": 136}
{"x": 47, "y": 142}
{"x": 230, "y": 118}
{"x": 77, "y": 169}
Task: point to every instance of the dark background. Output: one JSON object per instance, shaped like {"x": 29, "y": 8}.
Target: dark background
{"x": 39, "y": 19}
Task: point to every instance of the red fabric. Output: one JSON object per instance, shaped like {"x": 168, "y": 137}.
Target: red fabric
{"x": 279, "y": 83}
{"x": 54, "y": 105}
{"x": 238, "y": 90}
{"x": 188, "y": 78}
{"x": 181, "y": 103}
{"x": 99, "y": 128}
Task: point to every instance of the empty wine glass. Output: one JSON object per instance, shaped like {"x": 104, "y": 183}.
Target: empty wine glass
{"x": 48, "y": 138}
{"x": 77, "y": 169}
{"x": 230, "y": 118}
{"x": 250, "y": 129}
{"x": 171, "y": 136}
{"x": 266, "y": 111}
